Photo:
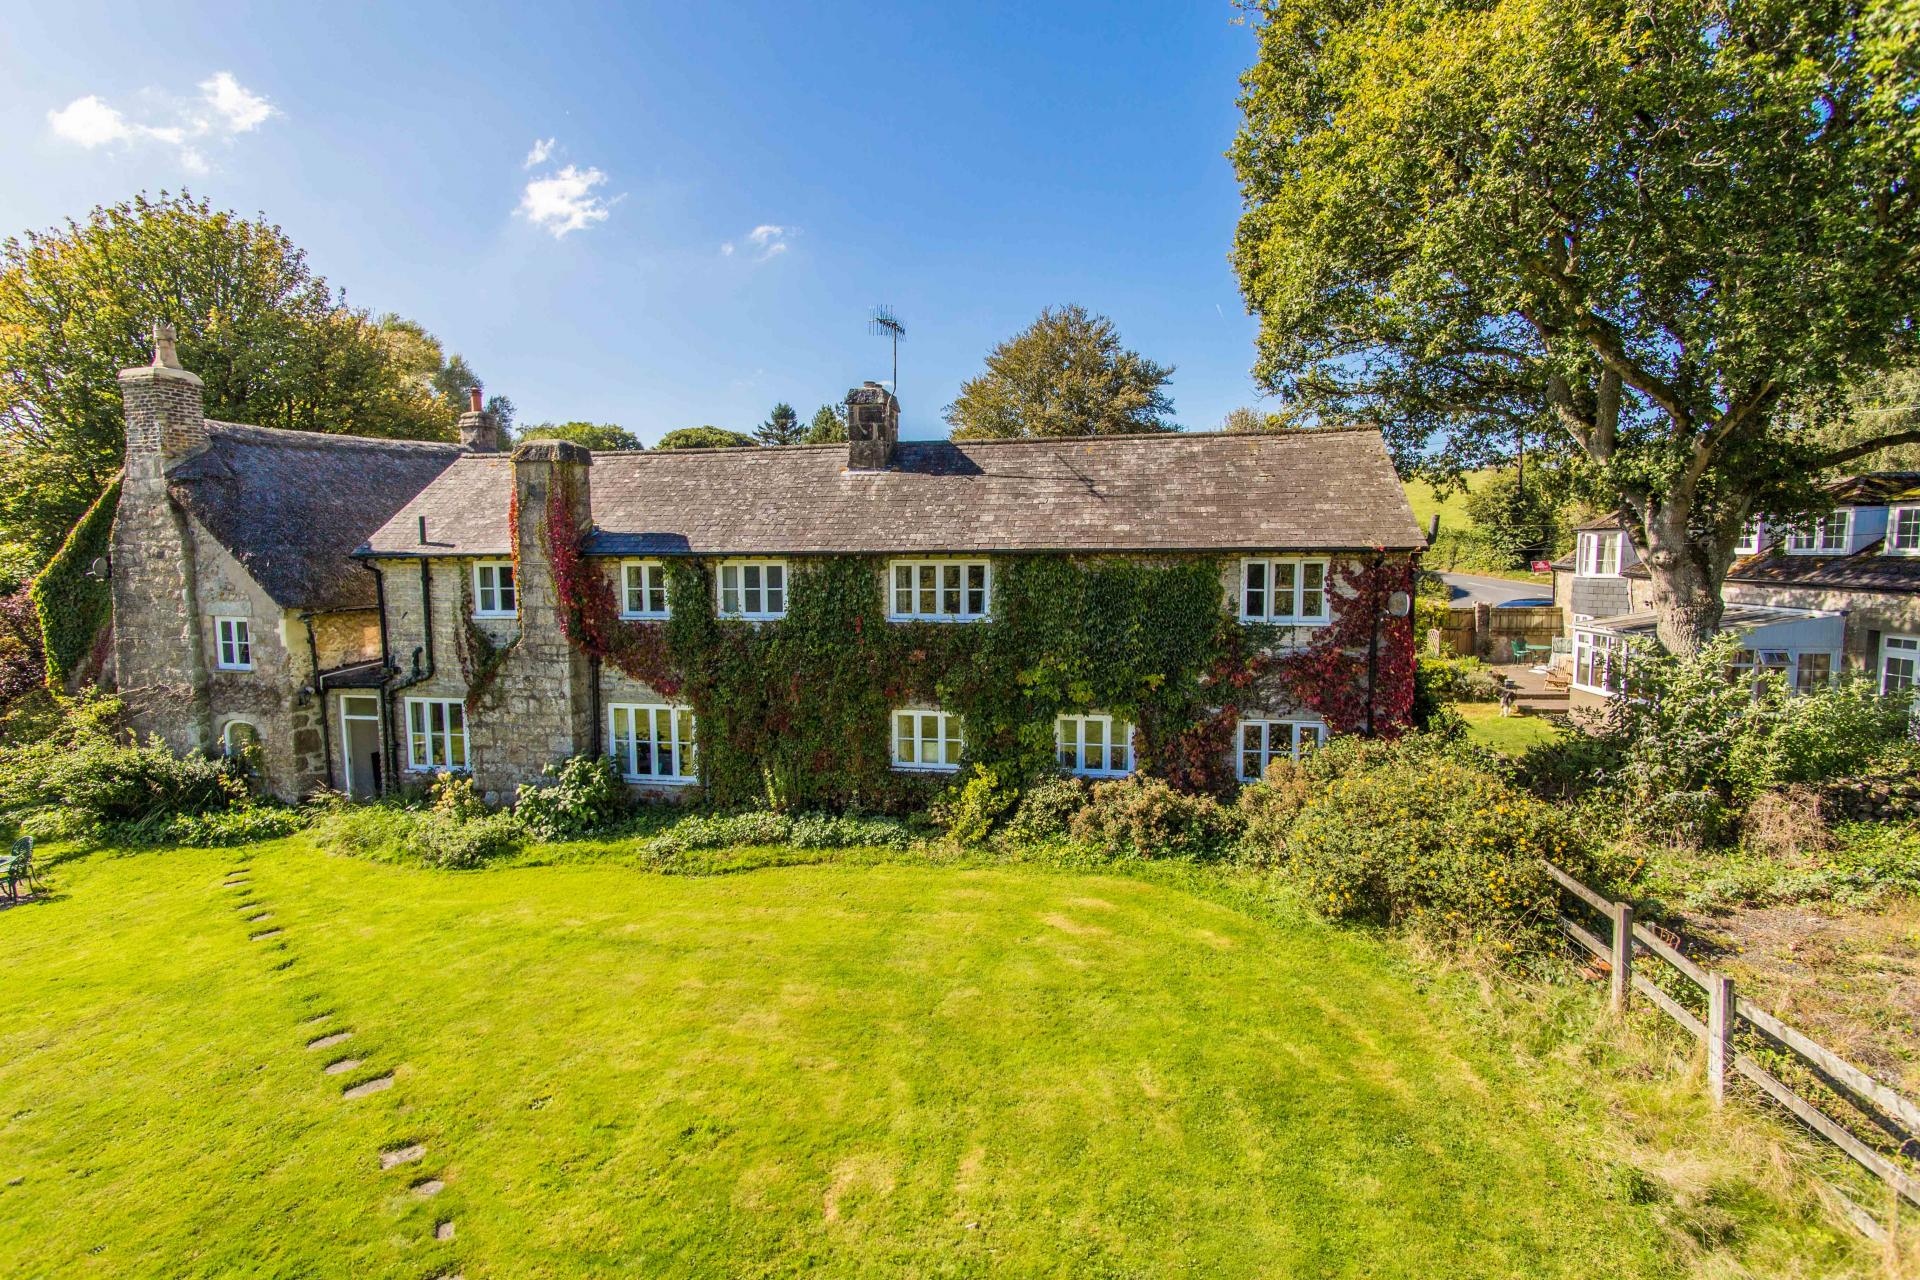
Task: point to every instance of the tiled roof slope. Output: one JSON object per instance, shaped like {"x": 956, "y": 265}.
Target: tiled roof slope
{"x": 1331, "y": 490}
{"x": 293, "y": 505}
{"x": 1868, "y": 569}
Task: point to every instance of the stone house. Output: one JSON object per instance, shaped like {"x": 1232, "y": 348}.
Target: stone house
{"x": 1840, "y": 594}
{"x": 336, "y": 596}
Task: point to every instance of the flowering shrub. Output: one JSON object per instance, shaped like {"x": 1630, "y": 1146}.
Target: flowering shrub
{"x": 586, "y": 796}
{"x": 1046, "y": 810}
{"x": 1428, "y": 838}
{"x": 1268, "y": 807}
{"x": 969, "y": 809}
{"x": 1146, "y": 818}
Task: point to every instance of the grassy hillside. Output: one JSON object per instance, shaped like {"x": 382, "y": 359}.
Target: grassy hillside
{"x": 873, "y": 1070}
{"x": 1458, "y": 549}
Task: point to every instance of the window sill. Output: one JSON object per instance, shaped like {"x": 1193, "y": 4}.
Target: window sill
{"x": 928, "y": 617}
{"x": 645, "y": 617}
{"x": 1286, "y": 622}
{"x": 751, "y": 617}
{"x": 925, "y": 768}
{"x": 651, "y": 780}
{"x": 1098, "y": 773}
{"x": 494, "y": 617}
{"x": 223, "y": 667}
{"x": 440, "y": 768}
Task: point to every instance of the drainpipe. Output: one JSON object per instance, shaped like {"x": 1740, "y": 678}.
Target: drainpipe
{"x": 420, "y": 672}
{"x": 593, "y": 705}
{"x": 320, "y": 692}
{"x": 386, "y": 673}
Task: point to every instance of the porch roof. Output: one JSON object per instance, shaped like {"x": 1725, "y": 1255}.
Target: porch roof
{"x": 1763, "y": 625}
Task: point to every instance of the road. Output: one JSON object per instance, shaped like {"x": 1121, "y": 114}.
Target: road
{"x": 1469, "y": 588}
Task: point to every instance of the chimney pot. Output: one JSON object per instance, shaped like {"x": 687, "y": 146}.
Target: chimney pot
{"x": 473, "y": 399}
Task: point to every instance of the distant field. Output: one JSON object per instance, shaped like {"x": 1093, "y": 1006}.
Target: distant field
{"x": 1458, "y": 550}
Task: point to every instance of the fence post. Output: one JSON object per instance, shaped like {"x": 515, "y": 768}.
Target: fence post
{"x": 1719, "y": 1034}
{"x": 1622, "y": 955}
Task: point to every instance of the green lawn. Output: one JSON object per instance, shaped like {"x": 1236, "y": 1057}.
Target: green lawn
{"x": 1509, "y": 735}
{"x": 905, "y": 1069}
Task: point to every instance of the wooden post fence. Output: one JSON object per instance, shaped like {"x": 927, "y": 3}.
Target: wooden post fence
{"x": 1884, "y": 1107}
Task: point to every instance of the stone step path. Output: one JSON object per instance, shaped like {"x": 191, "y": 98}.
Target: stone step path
{"x": 331, "y": 1039}
{"x": 427, "y": 1188}
{"x": 264, "y": 934}
{"x": 443, "y": 1230}
{"x": 379, "y": 1084}
{"x": 343, "y": 1066}
{"x": 402, "y": 1155}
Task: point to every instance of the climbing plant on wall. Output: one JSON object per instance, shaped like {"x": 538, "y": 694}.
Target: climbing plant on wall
{"x": 73, "y": 608}
{"x": 481, "y": 656}
{"x": 797, "y": 712}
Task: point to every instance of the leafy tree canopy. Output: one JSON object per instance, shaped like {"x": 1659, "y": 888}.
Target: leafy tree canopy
{"x": 706, "y": 438}
{"x": 829, "y": 425}
{"x": 604, "y": 436}
{"x": 781, "y": 427}
{"x": 1645, "y": 228}
{"x": 274, "y": 343}
{"x": 1066, "y": 374}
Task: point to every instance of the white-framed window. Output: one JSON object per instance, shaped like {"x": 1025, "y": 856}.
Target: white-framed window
{"x": 493, "y": 591}
{"x": 1599, "y": 662}
{"x": 1812, "y": 671}
{"x": 1903, "y": 531}
{"x": 233, "y": 644}
{"x": 1825, "y": 536}
{"x": 1600, "y": 555}
{"x": 1094, "y": 745}
{"x": 753, "y": 589}
{"x": 1899, "y": 663}
{"x": 653, "y": 742}
{"x": 1749, "y": 543}
{"x": 436, "y": 734}
{"x": 1290, "y": 591}
{"x": 643, "y": 589}
{"x": 1264, "y": 741}
{"x": 939, "y": 590}
{"x": 926, "y": 740}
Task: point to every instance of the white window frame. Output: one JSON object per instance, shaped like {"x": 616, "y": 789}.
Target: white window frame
{"x": 1816, "y": 539}
{"x": 910, "y": 739}
{"x": 232, "y": 643}
{"x": 928, "y": 586}
{"x": 1600, "y": 553}
{"x": 489, "y": 589}
{"x": 1610, "y": 651}
{"x": 1079, "y": 723}
{"x": 1893, "y": 547}
{"x": 347, "y": 718}
{"x": 440, "y": 742}
{"x": 681, "y": 742}
{"x": 652, "y": 576}
{"x": 741, "y": 589}
{"x": 1257, "y": 602}
{"x": 1749, "y": 544}
{"x": 1898, "y": 648}
{"x": 1262, "y": 730}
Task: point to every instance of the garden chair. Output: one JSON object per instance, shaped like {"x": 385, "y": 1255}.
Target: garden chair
{"x": 17, "y": 868}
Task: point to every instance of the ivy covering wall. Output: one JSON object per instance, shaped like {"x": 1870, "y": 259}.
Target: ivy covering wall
{"x": 73, "y": 608}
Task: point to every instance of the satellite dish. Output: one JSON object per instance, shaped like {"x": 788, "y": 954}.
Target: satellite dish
{"x": 1399, "y": 603}
{"x": 99, "y": 569}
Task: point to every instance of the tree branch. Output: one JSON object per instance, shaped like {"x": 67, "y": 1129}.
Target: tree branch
{"x": 1849, "y": 452}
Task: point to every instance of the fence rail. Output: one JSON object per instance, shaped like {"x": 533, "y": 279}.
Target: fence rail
{"x": 1884, "y": 1107}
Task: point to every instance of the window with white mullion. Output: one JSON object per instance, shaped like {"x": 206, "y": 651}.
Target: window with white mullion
{"x": 1903, "y": 531}
{"x": 928, "y": 740}
{"x": 753, "y": 589}
{"x": 1264, "y": 741}
{"x": 436, "y": 735}
{"x": 643, "y": 589}
{"x": 652, "y": 742}
{"x": 1600, "y": 555}
{"x": 1094, "y": 746}
{"x": 494, "y": 595}
{"x": 1826, "y": 536}
{"x": 939, "y": 590}
{"x": 1899, "y": 663}
{"x": 233, "y": 647}
{"x": 1283, "y": 591}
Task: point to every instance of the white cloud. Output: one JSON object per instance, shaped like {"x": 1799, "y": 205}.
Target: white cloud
{"x": 542, "y": 148}
{"x": 565, "y": 201}
{"x": 224, "y": 110}
{"x": 765, "y": 242}
{"x": 89, "y": 122}
{"x": 237, "y": 110}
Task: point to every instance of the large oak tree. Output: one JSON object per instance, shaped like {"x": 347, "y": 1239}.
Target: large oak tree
{"x": 1662, "y": 231}
{"x": 1066, "y": 374}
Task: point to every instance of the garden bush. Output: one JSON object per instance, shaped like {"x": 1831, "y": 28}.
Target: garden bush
{"x": 1046, "y": 810}
{"x": 586, "y": 796}
{"x": 440, "y": 839}
{"x": 722, "y": 831}
{"x": 243, "y": 825}
{"x": 1427, "y": 837}
{"x": 1144, "y": 817}
{"x": 968, "y": 810}
{"x": 1457, "y": 679}
{"x": 1268, "y": 807}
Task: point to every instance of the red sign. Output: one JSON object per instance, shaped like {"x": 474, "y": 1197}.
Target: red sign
{"x": 1542, "y": 566}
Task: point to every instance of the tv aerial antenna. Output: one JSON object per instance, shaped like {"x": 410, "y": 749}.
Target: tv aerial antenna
{"x": 885, "y": 324}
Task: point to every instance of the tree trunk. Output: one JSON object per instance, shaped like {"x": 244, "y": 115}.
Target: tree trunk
{"x": 1686, "y": 574}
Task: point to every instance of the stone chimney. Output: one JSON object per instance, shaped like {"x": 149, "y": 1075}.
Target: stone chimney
{"x": 479, "y": 432}
{"x": 166, "y": 410}
{"x": 873, "y": 427}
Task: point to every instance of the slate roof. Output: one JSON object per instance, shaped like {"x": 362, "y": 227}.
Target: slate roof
{"x": 293, "y": 505}
{"x": 1321, "y": 490}
{"x": 1868, "y": 569}
{"x": 1734, "y": 617}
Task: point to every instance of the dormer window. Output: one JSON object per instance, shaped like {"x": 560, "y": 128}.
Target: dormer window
{"x": 1826, "y": 536}
{"x": 1903, "y": 531}
{"x": 493, "y": 590}
{"x": 1749, "y": 543}
{"x": 1599, "y": 555}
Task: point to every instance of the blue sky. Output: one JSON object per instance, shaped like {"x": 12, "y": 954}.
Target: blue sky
{"x": 968, "y": 164}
